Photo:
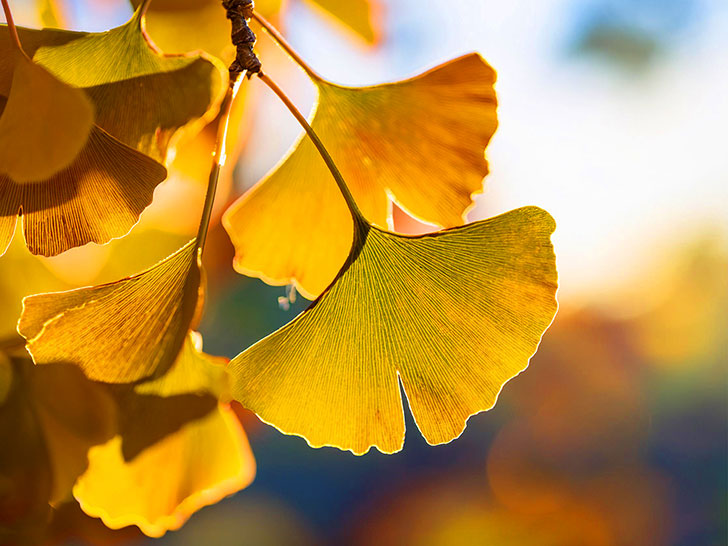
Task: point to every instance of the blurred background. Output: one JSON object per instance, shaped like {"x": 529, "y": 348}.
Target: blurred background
{"x": 613, "y": 117}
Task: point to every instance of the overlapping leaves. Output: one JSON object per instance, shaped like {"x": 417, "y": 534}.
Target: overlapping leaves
{"x": 157, "y": 483}
{"x": 77, "y": 183}
{"x": 119, "y": 332}
{"x": 421, "y": 141}
{"x": 49, "y": 418}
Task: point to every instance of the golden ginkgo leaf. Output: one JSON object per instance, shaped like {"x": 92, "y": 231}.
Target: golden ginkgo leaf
{"x": 357, "y": 15}
{"x": 50, "y": 417}
{"x": 161, "y": 487}
{"x": 44, "y": 124}
{"x": 454, "y": 315}
{"x": 188, "y": 391}
{"x": 142, "y": 97}
{"x": 422, "y": 141}
{"x": 97, "y": 198}
{"x": 119, "y": 332}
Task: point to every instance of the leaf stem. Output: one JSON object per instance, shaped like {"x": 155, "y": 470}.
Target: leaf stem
{"x": 350, "y": 202}
{"x": 218, "y": 156}
{"x": 11, "y": 26}
{"x": 285, "y": 46}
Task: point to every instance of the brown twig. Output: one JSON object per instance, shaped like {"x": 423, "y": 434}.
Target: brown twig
{"x": 239, "y": 12}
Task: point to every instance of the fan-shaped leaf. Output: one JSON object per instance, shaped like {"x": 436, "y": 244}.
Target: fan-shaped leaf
{"x": 44, "y": 124}
{"x": 97, "y": 198}
{"x": 158, "y": 490}
{"x": 122, "y": 331}
{"x": 420, "y": 140}
{"x": 453, "y": 314}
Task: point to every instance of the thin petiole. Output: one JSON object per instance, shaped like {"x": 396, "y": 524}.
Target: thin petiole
{"x": 350, "y": 202}
{"x": 281, "y": 41}
{"x": 11, "y": 26}
{"x": 219, "y": 160}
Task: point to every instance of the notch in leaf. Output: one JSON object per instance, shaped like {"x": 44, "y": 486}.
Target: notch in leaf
{"x": 420, "y": 141}
{"x": 119, "y": 332}
{"x": 454, "y": 315}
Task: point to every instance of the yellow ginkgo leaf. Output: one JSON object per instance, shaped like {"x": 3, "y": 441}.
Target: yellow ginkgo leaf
{"x": 421, "y": 141}
{"x": 142, "y": 97}
{"x": 44, "y": 124}
{"x": 188, "y": 391}
{"x": 119, "y": 332}
{"x": 97, "y": 198}
{"x": 50, "y": 417}
{"x": 357, "y": 15}
{"x": 160, "y": 488}
{"x": 454, "y": 315}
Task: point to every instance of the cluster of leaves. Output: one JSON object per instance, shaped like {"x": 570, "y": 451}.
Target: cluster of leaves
{"x": 110, "y": 397}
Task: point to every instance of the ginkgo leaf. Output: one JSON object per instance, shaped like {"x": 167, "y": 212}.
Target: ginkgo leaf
{"x": 206, "y": 460}
{"x": 119, "y": 332}
{"x": 188, "y": 391}
{"x": 49, "y": 419}
{"x": 454, "y": 315}
{"x": 357, "y": 15}
{"x": 142, "y": 97}
{"x": 75, "y": 414}
{"x": 97, "y": 198}
{"x": 44, "y": 124}
{"x": 421, "y": 141}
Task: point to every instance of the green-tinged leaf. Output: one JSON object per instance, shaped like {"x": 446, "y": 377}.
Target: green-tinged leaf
{"x": 175, "y": 475}
{"x": 422, "y": 141}
{"x": 97, "y": 198}
{"x": 119, "y": 332}
{"x": 142, "y": 97}
{"x": 44, "y": 124}
{"x": 454, "y": 315}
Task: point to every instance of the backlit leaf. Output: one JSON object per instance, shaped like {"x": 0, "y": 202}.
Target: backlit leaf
{"x": 158, "y": 490}
{"x": 454, "y": 315}
{"x": 97, "y": 198}
{"x": 142, "y": 97}
{"x": 421, "y": 140}
{"x": 49, "y": 419}
{"x": 44, "y": 124}
{"x": 154, "y": 409}
{"x": 357, "y": 15}
{"x": 119, "y": 332}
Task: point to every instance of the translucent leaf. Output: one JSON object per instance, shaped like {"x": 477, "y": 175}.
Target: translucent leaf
{"x": 421, "y": 141}
{"x": 75, "y": 414}
{"x": 154, "y": 409}
{"x": 49, "y": 419}
{"x": 357, "y": 15}
{"x": 162, "y": 486}
{"x": 97, "y": 198}
{"x": 44, "y": 124}
{"x": 454, "y": 315}
{"x": 142, "y": 97}
{"x": 119, "y": 332}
